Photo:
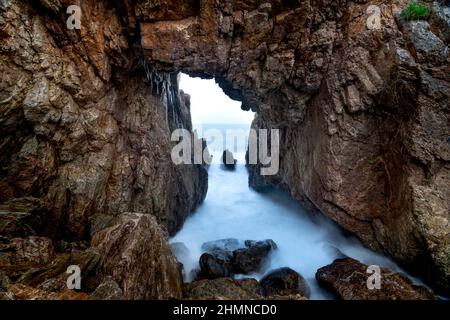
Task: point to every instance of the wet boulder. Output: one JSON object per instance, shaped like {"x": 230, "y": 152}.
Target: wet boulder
{"x": 107, "y": 290}
{"x": 23, "y": 217}
{"x": 228, "y": 160}
{"x": 226, "y": 257}
{"x": 229, "y": 244}
{"x": 135, "y": 253}
{"x": 222, "y": 289}
{"x": 250, "y": 259}
{"x": 348, "y": 279}
{"x": 216, "y": 264}
{"x": 284, "y": 282}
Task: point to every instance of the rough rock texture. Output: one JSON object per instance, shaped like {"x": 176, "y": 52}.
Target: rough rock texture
{"x": 86, "y": 115}
{"x": 222, "y": 289}
{"x": 107, "y": 290}
{"x": 227, "y": 257}
{"x": 229, "y": 289}
{"x": 85, "y": 122}
{"x": 284, "y": 281}
{"x": 363, "y": 113}
{"x": 347, "y": 279}
{"x": 135, "y": 253}
{"x": 23, "y": 292}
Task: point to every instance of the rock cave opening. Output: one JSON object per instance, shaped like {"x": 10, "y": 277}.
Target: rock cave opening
{"x": 278, "y": 232}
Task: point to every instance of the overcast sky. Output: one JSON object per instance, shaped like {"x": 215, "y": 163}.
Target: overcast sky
{"x": 210, "y": 105}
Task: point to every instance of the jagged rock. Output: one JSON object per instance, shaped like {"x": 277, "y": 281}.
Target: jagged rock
{"x": 229, "y": 244}
{"x": 216, "y": 264}
{"x": 53, "y": 276}
{"x": 22, "y": 217}
{"x": 427, "y": 45}
{"x": 284, "y": 282}
{"x": 79, "y": 140}
{"x": 4, "y": 281}
{"x": 347, "y": 279}
{"x": 222, "y": 289}
{"x": 86, "y": 115}
{"x": 250, "y": 259}
{"x": 182, "y": 254}
{"x": 5, "y": 294}
{"x": 228, "y": 160}
{"x": 107, "y": 290}
{"x": 135, "y": 253}
{"x": 23, "y": 292}
{"x": 33, "y": 250}
{"x": 226, "y": 257}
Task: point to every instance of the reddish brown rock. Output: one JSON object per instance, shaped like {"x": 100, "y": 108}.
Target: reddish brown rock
{"x": 222, "y": 289}
{"x": 347, "y": 280}
{"x": 362, "y": 113}
{"x": 86, "y": 115}
{"x": 33, "y": 250}
{"x": 135, "y": 254}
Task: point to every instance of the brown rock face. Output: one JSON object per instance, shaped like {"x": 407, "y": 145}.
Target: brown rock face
{"x": 362, "y": 112}
{"x": 86, "y": 122}
{"x": 135, "y": 253}
{"x": 86, "y": 115}
{"x": 347, "y": 279}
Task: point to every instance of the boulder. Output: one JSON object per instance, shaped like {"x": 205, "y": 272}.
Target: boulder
{"x": 347, "y": 279}
{"x": 222, "y": 289}
{"x": 136, "y": 254}
{"x": 284, "y": 282}
{"x": 229, "y": 244}
{"x": 33, "y": 250}
{"x": 226, "y": 257}
{"x": 107, "y": 290}
{"x": 22, "y": 217}
{"x": 250, "y": 259}
{"x": 24, "y": 292}
{"x": 228, "y": 160}
{"x": 216, "y": 264}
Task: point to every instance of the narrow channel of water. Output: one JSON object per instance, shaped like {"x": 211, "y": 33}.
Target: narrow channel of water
{"x": 305, "y": 243}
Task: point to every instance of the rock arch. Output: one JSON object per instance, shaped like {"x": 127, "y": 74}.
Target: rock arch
{"x": 363, "y": 113}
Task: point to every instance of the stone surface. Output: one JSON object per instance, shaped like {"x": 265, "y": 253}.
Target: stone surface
{"x": 107, "y": 290}
{"x": 284, "y": 282}
{"x": 251, "y": 258}
{"x": 227, "y": 257}
{"x": 347, "y": 280}
{"x": 85, "y": 122}
{"x": 222, "y": 289}
{"x": 228, "y": 160}
{"x": 23, "y": 292}
{"x": 86, "y": 115}
{"x": 364, "y": 132}
{"x": 135, "y": 253}
{"x": 34, "y": 250}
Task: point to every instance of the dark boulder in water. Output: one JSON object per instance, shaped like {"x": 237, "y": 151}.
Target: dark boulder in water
{"x": 284, "y": 281}
{"x": 226, "y": 257}
{"x": 250, "y": 259}
{"x": 228, "y": 160}
{"x": 216, "y": 264}
{"x": 223, "y": 244}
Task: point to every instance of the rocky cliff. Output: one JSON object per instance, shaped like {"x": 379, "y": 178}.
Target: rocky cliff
{"x": 86, "y": 121}
{"x": 363, "y": 112}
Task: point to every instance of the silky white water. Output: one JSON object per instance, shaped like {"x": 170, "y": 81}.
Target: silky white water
{"x": 233, "y": 210}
